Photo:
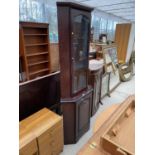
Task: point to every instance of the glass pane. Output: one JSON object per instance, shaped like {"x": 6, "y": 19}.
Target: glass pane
{"x": 40, "y": 11}
{"x": 80, "y": 29}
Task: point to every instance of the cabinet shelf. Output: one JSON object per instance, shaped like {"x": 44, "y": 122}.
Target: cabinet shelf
{"x": 38, "y": 44}
{"x": 35, "y": 54}
{"x": 39, "y": 71}
{"x": 35, "y": 46}
{"x": 37, "y": 63}
{"x": 35, "y": 34}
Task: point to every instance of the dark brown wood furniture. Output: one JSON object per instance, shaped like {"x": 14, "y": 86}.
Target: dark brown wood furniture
{"x": 95, "y": 80}
{"x": 38, "y": 93}
{"x": 34, "y": 49}
{"x": 76, "y": 96}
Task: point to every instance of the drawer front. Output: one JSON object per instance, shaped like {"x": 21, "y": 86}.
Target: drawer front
{"x": 29, "y": 149}
{"x": 51, "y": 142}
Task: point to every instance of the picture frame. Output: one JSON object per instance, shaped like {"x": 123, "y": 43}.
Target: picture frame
{"x": 113, "y": 55}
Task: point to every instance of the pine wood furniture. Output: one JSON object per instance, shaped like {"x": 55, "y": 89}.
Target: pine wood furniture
{"x": 41, "y": 134}
{"x": 27, "y": 142}
{"x": 124, "y": 38}
{"x": 76, "y": 96}
{"x": 116, "y": 136}
{"x": 104, "y": 116}
{"x": 34, "y": 49}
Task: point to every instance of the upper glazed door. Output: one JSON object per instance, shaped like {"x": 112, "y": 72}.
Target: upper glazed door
{"x": 80, "y": 27}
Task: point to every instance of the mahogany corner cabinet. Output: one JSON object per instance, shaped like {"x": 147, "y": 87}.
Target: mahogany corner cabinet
{"x": 76, "y": 96}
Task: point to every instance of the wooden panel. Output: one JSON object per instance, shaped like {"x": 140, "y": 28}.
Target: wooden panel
{"x": 92, "y": 150}
{"x": 30, "y": 149}
{"x": 83, "y": 114}
{"x": 49, "y": 143}
{"x": 31, "y": 31}
{"x": 126, "y": 34}
{"x": 95, "y": 80}
{"x": 76, "y": 114}
{"x": 96, "y": 139}
{"x": 117, "y": 40}
{"x": 48, "y": 129}
{"x": 122, "y": 38}
{"x": 36, "y": 49}
{"x": 46, "y": 93}
{"x": 54, "y": 57}
{"x": 34, "y": 39}
{"x": 104, "y": 116}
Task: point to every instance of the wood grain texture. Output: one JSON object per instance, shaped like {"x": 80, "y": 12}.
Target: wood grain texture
{"x": 34, "y": 41}
{"x": 95, "y": 80}
{"x": 47, "y": 128}
{"x": 54, "y": 57}
{"x": 104, "y": 116}
{"x": 76, "y": 97}
{"x": 39, "y": 93}
{"x": 108, "y": 124}
{"x": 122, "y": 34}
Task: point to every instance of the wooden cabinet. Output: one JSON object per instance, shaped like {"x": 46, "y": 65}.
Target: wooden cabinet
{"x": 95, "y": 80}
{"x": 28, "y": 143}
{"x": 46, "y": 129}
{"x": 34, "y": 49}
{"x": 76, "y": 114}
{"x": 74, "y": 34}
{"x": 51, "y": 142}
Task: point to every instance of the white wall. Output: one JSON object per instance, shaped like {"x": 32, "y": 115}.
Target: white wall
{"x": 109, "y": 16}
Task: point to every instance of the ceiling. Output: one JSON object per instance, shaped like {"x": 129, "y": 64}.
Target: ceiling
{"x": 124, "y": 9}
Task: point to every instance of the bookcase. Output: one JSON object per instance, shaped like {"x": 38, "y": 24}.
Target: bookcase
{"x": 34, "y": 50}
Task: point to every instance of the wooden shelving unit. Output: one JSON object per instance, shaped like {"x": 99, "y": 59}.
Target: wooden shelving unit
{"x": 34, "y": 49}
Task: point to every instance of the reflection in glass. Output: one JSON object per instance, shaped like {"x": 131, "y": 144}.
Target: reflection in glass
{"x": 80, "y": 35}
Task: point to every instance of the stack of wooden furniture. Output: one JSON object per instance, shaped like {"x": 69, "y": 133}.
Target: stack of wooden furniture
{"x": 41, "y": 134}
{"x": 34, "y": 50}
{"x": 76, "y": 95}
{"x": 116, "y": 136}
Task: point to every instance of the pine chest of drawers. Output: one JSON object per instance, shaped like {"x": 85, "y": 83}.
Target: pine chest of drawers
{"x": 45, "y": 130}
